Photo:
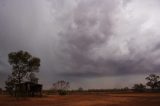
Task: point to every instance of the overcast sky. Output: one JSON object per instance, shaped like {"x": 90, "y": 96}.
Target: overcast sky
{"x": 90, "y": 43}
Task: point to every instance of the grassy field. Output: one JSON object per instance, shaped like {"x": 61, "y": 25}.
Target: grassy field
{"x": 95, "y": 99}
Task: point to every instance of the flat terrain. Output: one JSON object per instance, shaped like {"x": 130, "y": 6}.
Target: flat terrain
{"x": 95, "y": 99}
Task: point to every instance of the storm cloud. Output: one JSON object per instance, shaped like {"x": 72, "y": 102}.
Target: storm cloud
{"x": 83, "y": 40}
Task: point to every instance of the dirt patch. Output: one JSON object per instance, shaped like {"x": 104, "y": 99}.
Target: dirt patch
{"x": 132, "y": 99}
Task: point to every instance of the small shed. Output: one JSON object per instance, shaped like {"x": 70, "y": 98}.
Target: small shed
{"x": 28, "y": 89}
{"x": 1, "y": 91}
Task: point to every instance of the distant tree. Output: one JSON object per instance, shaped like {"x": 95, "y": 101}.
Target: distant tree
{"x": 61, "y": 86}
{"x": 139, "y": 87}
{"x": 80, "y": 89}
{"x": 23, "y": 66}
{"x": 153, "y": 81}
{"x": 125, "y": 88}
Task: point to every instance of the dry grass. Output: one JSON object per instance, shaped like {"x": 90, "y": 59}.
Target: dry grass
{"x": 132, "y": 99}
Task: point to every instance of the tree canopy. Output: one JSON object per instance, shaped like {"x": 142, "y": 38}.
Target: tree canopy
{"x": 24, "y": 66}
{"x": 153, "y": 81}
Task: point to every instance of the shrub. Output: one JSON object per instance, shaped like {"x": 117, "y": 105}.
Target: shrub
{"x": 62, "y": 92}
{"x": 61, "y": 87}
{"x": 139, "y": 87}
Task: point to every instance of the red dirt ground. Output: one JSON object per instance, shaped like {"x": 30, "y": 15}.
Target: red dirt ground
{"x": 97, "y": 99}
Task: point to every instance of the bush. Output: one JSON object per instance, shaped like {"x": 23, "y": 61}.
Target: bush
{"x": 62, "y": 87}
{"x": 80, "y": 89}
{"x": 139, "y": 87}
{"x": 62, "y": 92}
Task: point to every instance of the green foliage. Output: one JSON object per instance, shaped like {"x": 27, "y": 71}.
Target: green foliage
{"x": 153, "y": 81}
{"x": 139, "y": 87}
{"x": 23, "y": 64}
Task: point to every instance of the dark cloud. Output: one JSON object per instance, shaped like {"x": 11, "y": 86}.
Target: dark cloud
{"x": 90, "y": 31}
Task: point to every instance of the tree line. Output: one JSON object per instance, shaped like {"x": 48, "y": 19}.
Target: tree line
{"x": 153, "y": 83}
{"x": 25, "y": 66}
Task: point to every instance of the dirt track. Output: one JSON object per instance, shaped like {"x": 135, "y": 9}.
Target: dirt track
{"x": 86, "y": 100}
